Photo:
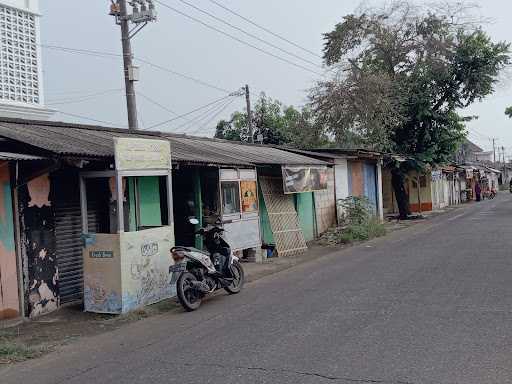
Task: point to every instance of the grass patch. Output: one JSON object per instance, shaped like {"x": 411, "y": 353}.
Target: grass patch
{"x": 358, "y": 223}
{"x": 13, "y": 353}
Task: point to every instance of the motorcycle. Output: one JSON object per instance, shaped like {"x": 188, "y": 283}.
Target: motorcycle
{"x": 198, "y": 274}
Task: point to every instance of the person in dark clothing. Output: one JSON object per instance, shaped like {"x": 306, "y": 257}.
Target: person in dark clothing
{"x": 478, "y": 192}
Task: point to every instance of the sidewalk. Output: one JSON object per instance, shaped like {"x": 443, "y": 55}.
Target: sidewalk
{"x": 31, "y": 339}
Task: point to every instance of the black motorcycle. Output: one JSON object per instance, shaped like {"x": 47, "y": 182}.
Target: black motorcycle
{"x": 197, "y": 273}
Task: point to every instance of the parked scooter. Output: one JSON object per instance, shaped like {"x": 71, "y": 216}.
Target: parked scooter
{"x": 198, "y": 274}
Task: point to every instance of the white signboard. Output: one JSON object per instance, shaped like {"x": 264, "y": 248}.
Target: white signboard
{"x": 138, "y": 154}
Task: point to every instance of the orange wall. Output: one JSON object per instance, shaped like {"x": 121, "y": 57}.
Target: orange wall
{"x": 9, "y": 300}
{"x": 356, "y": 169}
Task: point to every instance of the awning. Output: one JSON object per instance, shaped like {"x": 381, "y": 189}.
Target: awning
{"x": 18, "y": 156}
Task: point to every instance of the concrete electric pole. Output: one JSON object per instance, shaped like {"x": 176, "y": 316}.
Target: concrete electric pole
{"x": 143, "y": 11}
{"x": 249, "y": 114}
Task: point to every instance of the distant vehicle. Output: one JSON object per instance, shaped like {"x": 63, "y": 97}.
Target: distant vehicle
{"x": 198, "y": 273}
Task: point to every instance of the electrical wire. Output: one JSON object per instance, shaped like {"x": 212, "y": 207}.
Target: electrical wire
{"x": 264, "y": 29}
{"x": 188, "y": 113}
{"x": 187, "y": 77}
{"x": 95, "y": 53}
{"x": 81, "y": 99}
{"x": 156, "y": 103}
{"x": 249, "y": 34}
{"x": 198, "y": 119}
{"x": 91, "y": 119}
{"x": 213, "y": 117}
{"x": 236, "y": 38}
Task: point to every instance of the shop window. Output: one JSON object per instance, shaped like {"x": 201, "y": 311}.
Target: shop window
{"x": 230, "y": 197}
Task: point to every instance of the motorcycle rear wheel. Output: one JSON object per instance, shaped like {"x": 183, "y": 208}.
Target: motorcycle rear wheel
{"x": 239, "y": 277}
{"x": 187, "y": 294}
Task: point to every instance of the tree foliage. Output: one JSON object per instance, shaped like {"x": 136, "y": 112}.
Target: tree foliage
{"x": 508, "y": 112}
{"x": 278, "y": 124}
{"x": 403, "y": 73}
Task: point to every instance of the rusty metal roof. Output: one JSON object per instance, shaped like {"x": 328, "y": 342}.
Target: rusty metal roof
{"x": 96, "y": 141}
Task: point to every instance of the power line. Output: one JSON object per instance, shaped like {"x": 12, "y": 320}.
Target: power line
{"x": 91, "y": 119}
{"x": 144, "y": 61}
{"x": 248, "y": 33}
{"x": 265, "y": 29}
{"x": 213, "y": 117}
{"x": 91, "y": 96}
{"x": 195, "y": 80}
{"x": 188, "y": 113}
{"x": 156, "y": 103}
{"x": 236, "y": 38}
{"x": 204, "y": 115}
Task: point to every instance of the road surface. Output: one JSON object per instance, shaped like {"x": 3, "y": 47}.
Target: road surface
{"x": 429, "y": 304}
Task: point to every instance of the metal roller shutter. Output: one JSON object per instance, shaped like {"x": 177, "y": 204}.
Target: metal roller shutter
{"x": 68, "y": 231}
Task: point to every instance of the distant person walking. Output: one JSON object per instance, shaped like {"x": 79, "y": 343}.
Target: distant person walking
{"x": 478, "y": 192}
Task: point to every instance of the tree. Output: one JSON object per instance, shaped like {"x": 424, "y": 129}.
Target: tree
{"x": 508, "y": 112}
{"x": 277, "y": 124}
{"x": 403, "y": 73}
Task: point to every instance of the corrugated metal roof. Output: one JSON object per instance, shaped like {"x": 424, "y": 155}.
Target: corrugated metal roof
{"x": 95, "y": 141}
{"x": 18, "y": 156}
{"x": 233, "y": 153}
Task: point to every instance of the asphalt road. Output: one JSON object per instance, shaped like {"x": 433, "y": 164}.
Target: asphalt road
{"x": 429, "y": 304}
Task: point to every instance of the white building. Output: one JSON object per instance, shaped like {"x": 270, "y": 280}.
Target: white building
{"x": 21, "y": 72}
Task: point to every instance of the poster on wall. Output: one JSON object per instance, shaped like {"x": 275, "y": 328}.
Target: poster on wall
{"x": 249, "y": 196}
{"x": 304, "y": 179}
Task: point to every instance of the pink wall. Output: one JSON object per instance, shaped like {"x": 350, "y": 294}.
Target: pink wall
{"x": 9, "y": 300}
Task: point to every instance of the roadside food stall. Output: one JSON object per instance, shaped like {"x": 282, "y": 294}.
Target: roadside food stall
{"x": 126, "y": 250}
{"x": 240, "y": 211}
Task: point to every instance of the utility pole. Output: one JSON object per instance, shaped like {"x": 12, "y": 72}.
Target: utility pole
{"x": 143, "y": 12}
{"x": 249, "y": 113}
{"x": 129, "y": 80}
{"x": 494, "y": 148}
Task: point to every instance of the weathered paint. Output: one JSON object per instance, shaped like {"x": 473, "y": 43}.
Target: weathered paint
{"x": 306, "y": 213}
{"x": 341, "y": 176}
{"x": 38, "y": 248}
{"x": 363, "y": 181}
{"x": 267, "y": 236}
{"x": 149, "y": 201}
{"x": 9, "y": 300}
{"x": 325, "y": 205}
{"x": 126, "y": 271}
{"x": 356, "y": 178}
{"x": 425, "y": 194}
{"x": 370, "y": 184}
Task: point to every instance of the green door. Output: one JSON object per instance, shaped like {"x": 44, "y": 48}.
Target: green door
{"x": 305, "y": 205}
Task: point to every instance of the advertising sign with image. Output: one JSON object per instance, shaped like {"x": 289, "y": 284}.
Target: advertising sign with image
{"x": 304, "y": 179}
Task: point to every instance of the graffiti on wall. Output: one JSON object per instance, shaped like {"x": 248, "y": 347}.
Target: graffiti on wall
{"x": 102, "y": 274}
{"x": 38, "y": 234}
{"x": 145, "y": 267}
{"x": 9, "y": 301}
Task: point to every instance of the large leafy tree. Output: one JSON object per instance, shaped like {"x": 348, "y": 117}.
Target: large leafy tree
{"x": 403, "y": 73}
{"x": 276, "y": 123}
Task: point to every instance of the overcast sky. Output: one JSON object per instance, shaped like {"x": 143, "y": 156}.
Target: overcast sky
{"x": 92, "y": 86}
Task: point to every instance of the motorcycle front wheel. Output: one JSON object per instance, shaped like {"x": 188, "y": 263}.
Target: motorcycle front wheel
{"x": 187, "y": 295}
{"x": 238, "y": 278}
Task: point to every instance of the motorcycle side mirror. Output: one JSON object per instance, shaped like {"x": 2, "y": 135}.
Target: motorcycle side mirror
{"x": 193, "y": 220}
